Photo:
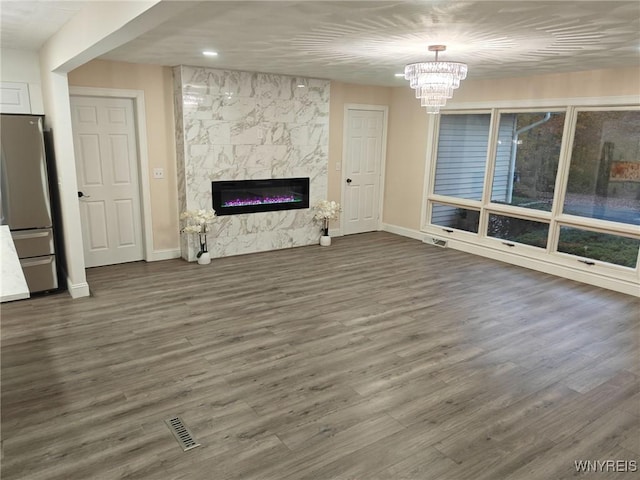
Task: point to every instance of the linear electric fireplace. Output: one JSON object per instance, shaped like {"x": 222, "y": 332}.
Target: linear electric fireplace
{"x": 249, "y": 196}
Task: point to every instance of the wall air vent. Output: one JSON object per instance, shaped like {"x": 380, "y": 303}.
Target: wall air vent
{"x": 438, "y": 242}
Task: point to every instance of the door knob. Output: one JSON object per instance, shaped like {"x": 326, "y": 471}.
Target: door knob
{"x": 80, "y": 195}
{"x": 349, "y": 180}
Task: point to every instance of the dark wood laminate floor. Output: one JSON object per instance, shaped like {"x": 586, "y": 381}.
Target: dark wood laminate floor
{"x": 377, "y": 358}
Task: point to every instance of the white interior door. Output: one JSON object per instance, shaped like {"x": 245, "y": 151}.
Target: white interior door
{"x": 362, "y": 172}
{"x": 105, "y": 144}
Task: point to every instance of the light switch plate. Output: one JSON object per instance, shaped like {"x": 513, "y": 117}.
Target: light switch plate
{"x": 158, "y": 173}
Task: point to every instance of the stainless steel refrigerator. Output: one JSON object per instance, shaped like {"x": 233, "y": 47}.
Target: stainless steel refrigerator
{"x": 25, "y": 202}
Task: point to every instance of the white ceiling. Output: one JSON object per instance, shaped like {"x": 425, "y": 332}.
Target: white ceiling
{"x": 27, "y": 25}
{"x": 368, "y": 41}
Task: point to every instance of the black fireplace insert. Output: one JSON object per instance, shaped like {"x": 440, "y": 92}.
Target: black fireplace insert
{"x": 250, "y": 196}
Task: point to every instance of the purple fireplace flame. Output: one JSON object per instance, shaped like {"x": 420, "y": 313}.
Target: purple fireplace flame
{"x": 232, "y": 197}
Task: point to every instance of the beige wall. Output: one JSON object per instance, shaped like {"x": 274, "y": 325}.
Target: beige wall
{"x": 157, "y": 84}
{"x": 406, "y": 147}
{"x": 407, "y": 139}
{"x": 342, "y": 94}
{"x": 592, "y": 83}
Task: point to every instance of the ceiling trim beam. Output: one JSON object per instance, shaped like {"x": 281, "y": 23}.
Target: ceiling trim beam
{"x": 100, "y": 27}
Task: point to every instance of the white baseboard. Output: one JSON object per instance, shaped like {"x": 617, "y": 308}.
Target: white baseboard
{"x": 610, "y": 283}
{"x": 335, "y": 232}
{"x": 167, "y": 254}
{"x": 405, "y": 232}
{"x": 548, "y": 267}
{"x": 78, "y": 290}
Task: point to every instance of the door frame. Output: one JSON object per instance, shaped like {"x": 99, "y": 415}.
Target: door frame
{"x": 383, "y": 159}
{"x": 144, "y": 188}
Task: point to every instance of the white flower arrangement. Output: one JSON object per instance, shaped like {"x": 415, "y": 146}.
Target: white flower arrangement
{"x": 198, "y": 222}
{"x": 324, "y": 211}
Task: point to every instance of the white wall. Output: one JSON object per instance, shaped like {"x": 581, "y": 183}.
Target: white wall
{"x": 98, "y": 28}
{"x": 58, "y": 118}
{"x": 23, "y": 66}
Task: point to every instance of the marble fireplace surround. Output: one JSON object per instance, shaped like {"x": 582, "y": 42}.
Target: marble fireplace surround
{"x": 233, "y": 125}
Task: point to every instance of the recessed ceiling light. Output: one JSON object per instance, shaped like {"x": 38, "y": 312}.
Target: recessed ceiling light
{"x": 301, "y": 85}
{"x": 210, "y": 53}
{"x": 399, "y": 75}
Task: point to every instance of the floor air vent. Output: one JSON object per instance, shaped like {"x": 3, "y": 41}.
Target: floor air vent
{"x": 182, "y": 433}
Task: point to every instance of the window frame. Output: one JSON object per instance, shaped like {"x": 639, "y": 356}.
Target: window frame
{"x": 492, "y": 160}
{"x": 596, "y": 222}
{"x": 555, "y": 218}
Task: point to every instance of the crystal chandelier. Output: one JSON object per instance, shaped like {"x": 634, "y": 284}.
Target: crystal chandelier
{"x": 434, "y": 82}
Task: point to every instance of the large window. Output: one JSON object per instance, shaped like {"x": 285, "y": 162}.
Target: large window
{"x": 526, "y": 162}
{"x": 604, "y": 175}
{"x": 462, "y": 155}
{"x": 563, "y": 181}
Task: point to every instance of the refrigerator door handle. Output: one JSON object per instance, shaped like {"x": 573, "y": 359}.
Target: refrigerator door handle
{"x": 25, "y": 235}
{"x": 43, "y": 165}
{"x": 32, "y": 262}
{"x": 4, "y": 190}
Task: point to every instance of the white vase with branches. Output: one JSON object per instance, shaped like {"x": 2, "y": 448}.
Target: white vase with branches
{"x": 324, "y": 212}
{"x": 197, "y": 223}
